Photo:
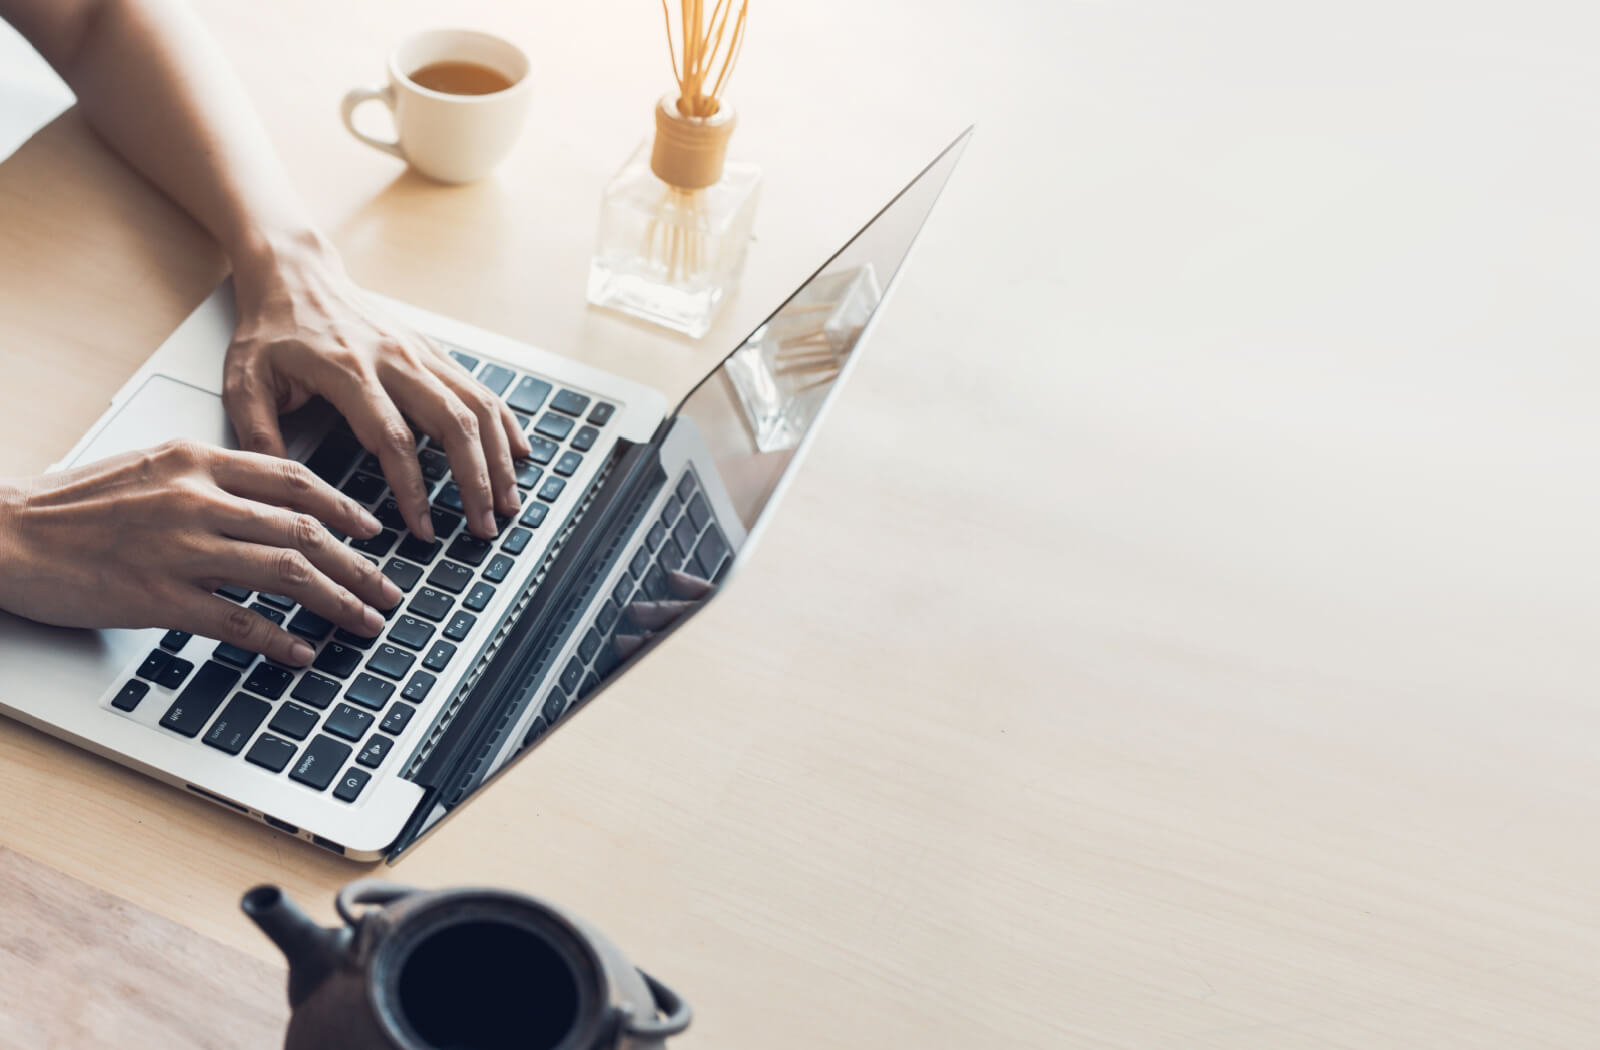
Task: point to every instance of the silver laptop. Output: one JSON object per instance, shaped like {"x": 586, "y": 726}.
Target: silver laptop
{"x": 495, "y": 644}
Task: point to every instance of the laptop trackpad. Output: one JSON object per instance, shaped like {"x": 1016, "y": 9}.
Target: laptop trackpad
{"x": 161, "y": 409}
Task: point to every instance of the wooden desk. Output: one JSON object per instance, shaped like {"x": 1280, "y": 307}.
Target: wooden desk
{"x": 1182, "y": 633}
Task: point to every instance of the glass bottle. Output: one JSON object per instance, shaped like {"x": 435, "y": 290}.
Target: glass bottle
{"x": 675, "y": 224}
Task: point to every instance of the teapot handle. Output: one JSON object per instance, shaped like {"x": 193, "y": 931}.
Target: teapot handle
{"x": 367, "y": 891}
{"x": 668, "y": 1002}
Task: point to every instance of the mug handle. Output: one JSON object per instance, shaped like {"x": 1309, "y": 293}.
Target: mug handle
{"x": 668, "y": 1002}
{"x": 352, "y": 101}
{"x": 367, "y": 891}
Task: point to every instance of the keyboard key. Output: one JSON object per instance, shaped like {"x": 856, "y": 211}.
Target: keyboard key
{"x": 378, "y": 545}
{"x": 415, "y": 550}
{"x": 372, "y": 754}
{"x": 128, "y": 696}
{"x": 684, "y": 534}
{"x": 315, "y": 690}
{"x": 590, "y": 682}
{"x": 516, "y": 541}
{"x": 466, "y": 361}
{"x": 321, "y": 762}
{"x": 174, "y": 673}
{"x": 277, "y": 601}
{"x": 310, "y": 626}
{"x": 438, "y": 656}
{"x": 536, "y": 729}
{"x": 460, "y": 626}
{"x": 338, "y": 660}
{"x": 411, "y": 632}
{"x": 602, "y": 413}
{"x": 391, "y": 662}
{"x": 589, "y": 646}
{"x": 347, "y": 722}
{"x": 364, "y": 488}
{"x": 200, "y": 699}
{"x": 173, "y": 641}
{"x": 653, "y": 538}
{"x": 571, "y": 675}
{"x": 542, "y": 451}
{"x": 431, "y": 604}
{"x": 529, "y": 395}
{"x": 416, "y": 690}
{"x": 272, "y": 753}
{"x": 528, "y": 474}
{"x": 230, "y": 653}
{"x": 640, "y": 562}
{"x": 344, "y": 637}
{"x": 444, "y": 522}
{"x": 469, "y": 548}
{"x": 402, "y": 574}
{"x": 448, "y": 576}
{"x": 585, "y": 438}
{"x": 554, "y": 426}
{"x": 551, "y": 489}
{"x": 275, "y": 615}
{"x": 567, "y": 464}
{"x": 534, "y": 516}
{"x": 711, "y": 551}
{"x": 333, "y": 457}
{"x": 294, "y": 720}
{"x": 607, "y": 615}
{"x": 671, "y": 556}
{"x": 571, "y": 402}
{"x": 394, "y": 723}
{"x": 434, "y": 464}
{"x": 350, "y": 784}
{"x": 449, "y": 498}
{"x": 496, "y": 378}
{"x": 607, "y": 661}
{"x": 371, "y": 464}
{"x": 670, "y": 512}
{"x": 522, "y": 420}
{"x": 498, "y": 568}
{"x": 686, "y": 485}
{"x": 370, "y": 691}
{"x": 623, "y": 590}
{"x": 478, "y": 599}
{"x": 154, "y": 665}
{"x": 269, "y": 680}
{"x": 554, "y": 705}
{"x": 232, "y": 593}
{"x": 388, "y": 515}
{"x": 654, "y": 583}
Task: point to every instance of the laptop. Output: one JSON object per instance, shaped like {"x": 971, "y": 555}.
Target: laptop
{"x": 495, "y": 645}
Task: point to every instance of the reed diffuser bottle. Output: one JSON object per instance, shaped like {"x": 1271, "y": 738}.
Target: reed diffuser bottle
{"x": 675, "y": 221}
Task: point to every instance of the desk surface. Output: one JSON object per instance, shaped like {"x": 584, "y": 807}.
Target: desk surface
{"x": 1181, "y": 635}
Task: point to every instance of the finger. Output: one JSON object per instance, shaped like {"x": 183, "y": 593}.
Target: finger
{"x": 274, "y": 527}
{"x": 682, "y": 585}
{"x": 284, "y": 570}
{"x": 214, "y": 617}
{"x": 496, "y": 444}
{"x": 628, "y": 644}
{"x": 520, "y": 448}
{"x": 285, "y": 483}
{"x": 449, "y": 421}
{"x": 382, "y": 430}
{"x": 252, "y": 407}
{"x": 657, "y": 616}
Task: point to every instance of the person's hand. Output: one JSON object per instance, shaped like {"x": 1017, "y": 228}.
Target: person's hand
{"x": 642, "y": 621}
{"x": 305, "y": 329}
{"x": 143, "y": 539}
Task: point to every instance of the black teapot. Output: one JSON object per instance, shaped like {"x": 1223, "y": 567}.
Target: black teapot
{"x": 465, "y": 969}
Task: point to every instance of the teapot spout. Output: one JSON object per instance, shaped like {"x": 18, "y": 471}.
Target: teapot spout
{"x": 313, "y": 951}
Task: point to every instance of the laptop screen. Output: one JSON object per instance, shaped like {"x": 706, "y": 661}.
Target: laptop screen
{"x": 706, "y": 484}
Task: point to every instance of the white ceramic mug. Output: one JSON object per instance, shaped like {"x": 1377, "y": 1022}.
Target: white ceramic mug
{"x": 451, "y": 138}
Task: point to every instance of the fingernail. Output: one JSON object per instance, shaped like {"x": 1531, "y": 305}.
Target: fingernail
{"x": 486, "y": 523}
{"x": 300, "y": 653}
{"x": 391, "y": 593}
{"x": 372, "y": 620}
{"x": 368, "y": 522}
{"x": 425, "y": 533}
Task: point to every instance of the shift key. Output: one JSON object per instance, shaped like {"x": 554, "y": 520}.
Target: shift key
{"x": 200, "y": 698}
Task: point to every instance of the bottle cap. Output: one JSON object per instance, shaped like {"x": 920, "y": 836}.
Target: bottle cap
{"x": 689, "y": 151}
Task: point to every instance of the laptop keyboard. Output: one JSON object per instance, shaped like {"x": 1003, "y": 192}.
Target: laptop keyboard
{"x": 338, "y": 719}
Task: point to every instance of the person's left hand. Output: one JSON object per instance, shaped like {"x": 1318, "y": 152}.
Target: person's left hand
{"x": 305, "y": 329}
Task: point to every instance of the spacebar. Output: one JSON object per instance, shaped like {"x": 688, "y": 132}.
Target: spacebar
{"x": 199, "y": 700}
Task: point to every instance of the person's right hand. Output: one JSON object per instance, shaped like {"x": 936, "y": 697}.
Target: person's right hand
{"x": 143, "y": 539}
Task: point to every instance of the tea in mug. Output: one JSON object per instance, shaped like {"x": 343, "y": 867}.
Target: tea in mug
{"x": 461, "y": 78}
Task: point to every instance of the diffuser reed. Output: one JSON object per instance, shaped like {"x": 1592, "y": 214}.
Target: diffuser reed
{"x": 676, "y": 220}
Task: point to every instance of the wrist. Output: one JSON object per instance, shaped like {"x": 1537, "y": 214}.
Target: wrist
{"x": 267, "y": 265}
{"x": 13, "y": 548}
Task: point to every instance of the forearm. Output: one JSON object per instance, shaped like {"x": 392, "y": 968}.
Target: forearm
{"x": 155, "y": 87}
